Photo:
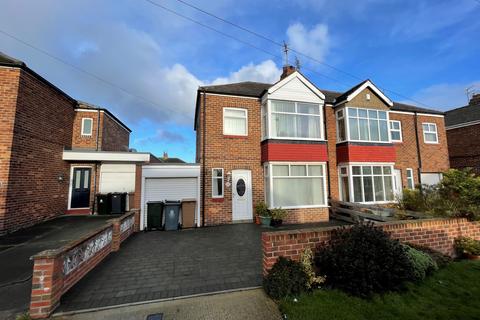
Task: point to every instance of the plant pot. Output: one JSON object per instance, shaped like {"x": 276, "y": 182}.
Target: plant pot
{"x": 471, "y": 256}
{"x": 276, "y": 223}
{"x": 265, "y": 221}
{"x": 257, "y": 220}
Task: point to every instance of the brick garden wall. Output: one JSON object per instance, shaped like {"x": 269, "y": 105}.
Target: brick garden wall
{"x": 437, "y": 234}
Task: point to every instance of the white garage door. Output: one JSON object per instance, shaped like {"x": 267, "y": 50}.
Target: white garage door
{"x": 117, "y": 178}
{"x": 160, "y": 189}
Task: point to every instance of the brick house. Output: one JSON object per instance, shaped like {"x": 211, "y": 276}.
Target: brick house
{"x": 55, "y": 152}
{"x": 463, "y": 125}
{"x": 295, "y": 146}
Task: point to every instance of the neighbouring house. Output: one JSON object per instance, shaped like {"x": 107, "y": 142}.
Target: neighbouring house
{"x": 295, "y": 146}
{"x": 56, "y": 152}
{"x": 463, "y": 127}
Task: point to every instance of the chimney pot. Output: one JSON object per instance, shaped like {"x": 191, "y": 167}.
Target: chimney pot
{"x": 287, "y": 70}
{"x": 165, "y": 156}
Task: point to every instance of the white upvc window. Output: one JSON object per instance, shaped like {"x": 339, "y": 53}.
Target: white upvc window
{"x": 430, "y": 134}
{"x": 363, "y": 125}
{"x": 235, "y": 121}
{"x": 341, "y": 128}
{"x": 366, "y": 183}
{"x": 217, "y": 183}
{"x": 295, "y": 185}
{"x": 87, "y": 126}
{"x": 410, "y": 179}
{"x": 395, "y": 131}
{"x": 431, "y": 178}
{"x": 293, "y": 120}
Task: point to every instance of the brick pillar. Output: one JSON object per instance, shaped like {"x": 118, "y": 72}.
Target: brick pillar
{"x": 47, "y": 284}
{"x": 116, "y": 233}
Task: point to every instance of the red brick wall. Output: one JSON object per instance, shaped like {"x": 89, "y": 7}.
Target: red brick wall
{"x": 331, "y": 136}
{"x": 43, "y": 128}
{"x": 464, "y": 147}
{"x": 434, "y": 156}
{"x": 9, "y": 80}
{"x": 86, "y": 142}
{"x": 437, "y": 234}
{"x": 114, "y": 136}
{"x": 274, "y": 151}
{"x": 363, "y": 153}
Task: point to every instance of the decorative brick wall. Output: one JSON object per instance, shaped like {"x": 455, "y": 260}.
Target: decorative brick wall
{"x": 56, "y": 271}
{"x": 437, "y": 234}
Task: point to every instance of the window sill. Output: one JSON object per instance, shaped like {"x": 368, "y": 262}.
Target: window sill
{"x": 217, "y": 199}
{"x": 231, "y": 136}
{"x": 301, "y": 207}
{"x": 431, "y": 142}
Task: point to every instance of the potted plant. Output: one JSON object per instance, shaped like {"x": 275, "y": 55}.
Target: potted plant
{"x": 468, "y": 248}
{"x": 278, "y": 214}
{"x": 262, "y": 214}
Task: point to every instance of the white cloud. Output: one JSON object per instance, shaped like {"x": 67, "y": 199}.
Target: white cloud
{"x": 266, "y": 71}
{"x": 445, "y": 96}
{"x": 314, "y": 42}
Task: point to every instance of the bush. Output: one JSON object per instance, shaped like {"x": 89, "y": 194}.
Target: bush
{"x": 306, "y": 259}
{"x": 287, "y": 277}
{"x": 467, "y": 246}
{"x": 261, "y": 209}
{"x": 364, "y": 260}
{"x": 440, "y": 259}
{"x": 422, "y": 263}
{"x": 278, "y": 213}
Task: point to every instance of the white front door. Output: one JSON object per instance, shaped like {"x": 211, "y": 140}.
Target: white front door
{"x": 242, "y": 195}
{"x": 398, "y": 184}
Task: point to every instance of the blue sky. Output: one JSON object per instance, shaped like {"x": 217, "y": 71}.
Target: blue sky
{"x": 426, "y": 50}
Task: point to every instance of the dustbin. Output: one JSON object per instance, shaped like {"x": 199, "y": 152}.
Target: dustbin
{"x": 118, "y": 202}
{"x": 154, "y": 215}
{"x": 172, "y": 210}
{"x": 103, "y": 205}
{"x": 188, "y": 213}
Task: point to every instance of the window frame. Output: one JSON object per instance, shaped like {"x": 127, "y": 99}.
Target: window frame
{"x": 268, "y": 130}
{"x": 430, "y": 132}
{"x": 350, "y": 176}
{"x": 268, "y": 176}
{"x": 223, "y": 183}
{"x": 399, "y": 130}
{"x": 245, "y": 111}
{"x": 411, "y": 177}
{"x": 83, "y": 128}
{"x": 347, "y": 125}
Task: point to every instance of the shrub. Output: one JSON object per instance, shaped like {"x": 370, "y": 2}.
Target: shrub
{"x": 364, "y": 260}
{"x": 440, "y": 259}
{"x": 467, "y": 246}
{"x": 306, "y": 259}
{"x": 287, "y": 277}
{"x": 261, "y": 209}
{"x": 278, "y": 213}
{"x": 422, "y": 263}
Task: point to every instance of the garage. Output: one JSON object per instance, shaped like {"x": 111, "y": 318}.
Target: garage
{"x": 162, "y": 182}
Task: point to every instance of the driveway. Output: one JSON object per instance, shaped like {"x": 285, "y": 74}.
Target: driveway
{"x": 17, "y": 248}
{"x": 157, "y": 264}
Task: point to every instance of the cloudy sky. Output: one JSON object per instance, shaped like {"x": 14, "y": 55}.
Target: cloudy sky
{"x": 427, "y": 51}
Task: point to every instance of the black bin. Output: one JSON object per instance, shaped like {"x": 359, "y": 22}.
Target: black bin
{"x": 118, "y": 202}
{"x": 172, "y": 214}
{"x": 104, "y": 206}
{"x": 154, "y": 215}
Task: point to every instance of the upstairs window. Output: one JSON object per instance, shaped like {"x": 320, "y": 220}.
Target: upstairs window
{"x": 295, "y": 120}
{"x": 341, "y": 135}
{"x": 87, "y": 126}
{"x": 430, "y": 133}
{"x": 235, "y": 121}
{"x": 217, "y": 183}
{"x": 396, "y": 130}
{"x": 367, "y": 125}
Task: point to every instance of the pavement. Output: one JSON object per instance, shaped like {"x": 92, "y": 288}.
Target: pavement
{"x": 17, "y": 248}
{"x": 238, "y": 305}
{"x": 167, "y": 264}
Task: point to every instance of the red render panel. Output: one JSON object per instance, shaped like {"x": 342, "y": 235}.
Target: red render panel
{"x": 356, "y": 153}
{"x": 294, "y": 152}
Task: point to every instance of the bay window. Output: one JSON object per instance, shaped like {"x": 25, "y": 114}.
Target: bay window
{"x": 292, "y": 120}
{"x": 366, "y": 183}
{"x": 294, "y": 185}
{"x": 357, "y": 124}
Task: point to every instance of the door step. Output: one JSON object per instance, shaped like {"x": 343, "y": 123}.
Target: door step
{"x": 83, "y": 212}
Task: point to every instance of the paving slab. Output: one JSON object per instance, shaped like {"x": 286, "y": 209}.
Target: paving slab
{"x": 17, "y": 248}
{"x": 239, "y": 305}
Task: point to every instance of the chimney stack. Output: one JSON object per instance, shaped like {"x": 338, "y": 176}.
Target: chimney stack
{"x": 287, "y": 70}
{"x": 165, "y": 155}
{"x": 475, "y": 100}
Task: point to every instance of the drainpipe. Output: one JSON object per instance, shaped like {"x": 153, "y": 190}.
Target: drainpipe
{"x": 419, "y": 156}
{"x": 204, "y": 138}
{"x": 96, "y": 164}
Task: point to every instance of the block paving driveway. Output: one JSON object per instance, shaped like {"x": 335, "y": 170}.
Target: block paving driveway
{"x": 156, "y": 265}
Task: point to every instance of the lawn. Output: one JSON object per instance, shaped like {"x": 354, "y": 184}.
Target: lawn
{"x": 451, "y": 293}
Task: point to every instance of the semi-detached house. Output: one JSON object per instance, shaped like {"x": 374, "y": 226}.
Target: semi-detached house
{"x": 295, "y": 146}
